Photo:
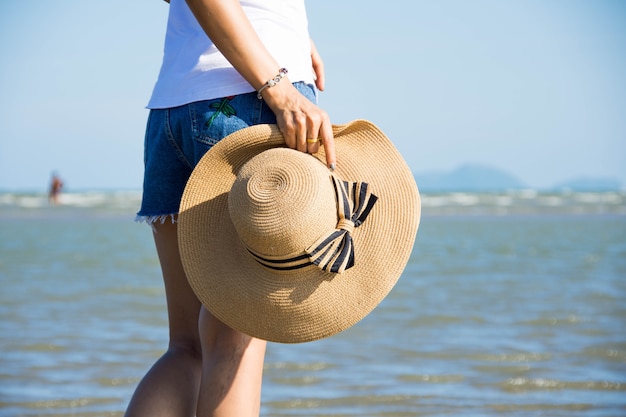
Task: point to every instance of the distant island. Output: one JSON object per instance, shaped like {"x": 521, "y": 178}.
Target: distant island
{"x": 480, "y": 178}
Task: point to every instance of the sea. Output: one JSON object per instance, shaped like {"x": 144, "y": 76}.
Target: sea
{"x": 512, "y": 304}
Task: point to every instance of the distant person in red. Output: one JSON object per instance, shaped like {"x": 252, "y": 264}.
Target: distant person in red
{"x": 55, "y": 188}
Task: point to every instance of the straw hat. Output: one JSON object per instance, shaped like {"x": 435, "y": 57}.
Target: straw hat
{"x": 268, "y": 249}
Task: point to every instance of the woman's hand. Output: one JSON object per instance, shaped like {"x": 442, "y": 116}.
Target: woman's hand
{"x": 318, "y": 67}
{"x": 303, "y": 124}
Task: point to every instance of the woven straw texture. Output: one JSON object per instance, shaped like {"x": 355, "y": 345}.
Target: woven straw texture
{"x": 306, "y": 304}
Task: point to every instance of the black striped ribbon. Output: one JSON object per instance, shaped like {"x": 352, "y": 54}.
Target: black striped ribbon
{"x": 335, "y": 252}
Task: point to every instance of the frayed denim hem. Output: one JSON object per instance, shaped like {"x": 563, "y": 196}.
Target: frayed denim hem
{"x": 151, "y": 220}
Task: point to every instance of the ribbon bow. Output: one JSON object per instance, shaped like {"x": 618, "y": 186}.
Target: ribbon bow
{"x": 335, "y": 253}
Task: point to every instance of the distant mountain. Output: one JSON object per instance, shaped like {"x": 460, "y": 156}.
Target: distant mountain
{"x": 468, "y": 178}
{"x": 590, "y": 184}
{"x": 480, "y": 178}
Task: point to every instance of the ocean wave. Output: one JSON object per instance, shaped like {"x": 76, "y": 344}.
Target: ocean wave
{"x": 113, "y": 201}
{"x": 454, "y": 203}
{"x": 525, "y": 202}
{"x": 532, "y": 384}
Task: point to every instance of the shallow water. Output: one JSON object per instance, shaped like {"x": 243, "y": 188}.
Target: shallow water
{"x": 504, "y": 309}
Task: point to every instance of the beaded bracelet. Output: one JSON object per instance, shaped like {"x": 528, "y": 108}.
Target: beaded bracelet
{"x": 272, "y": 82}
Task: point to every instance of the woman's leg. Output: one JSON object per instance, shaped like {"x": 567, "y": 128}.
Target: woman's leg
{"x": 171, "y": 386}
{"x": 229, "y": 363}
{"x": 232, "y": 371}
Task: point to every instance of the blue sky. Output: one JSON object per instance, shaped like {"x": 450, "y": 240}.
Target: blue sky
{"x": 534, "y": 87}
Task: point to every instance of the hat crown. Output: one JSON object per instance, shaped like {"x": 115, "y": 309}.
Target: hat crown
{"x": 281, "y": 202}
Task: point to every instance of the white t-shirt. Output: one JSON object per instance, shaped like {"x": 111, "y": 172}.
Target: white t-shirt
{"x": 193, "y": 69}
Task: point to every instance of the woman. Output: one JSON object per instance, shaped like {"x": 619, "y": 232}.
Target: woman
{"x": 226, "y": 65}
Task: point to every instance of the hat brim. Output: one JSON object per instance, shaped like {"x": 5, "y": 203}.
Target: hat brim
{"x": 308, "y": 304}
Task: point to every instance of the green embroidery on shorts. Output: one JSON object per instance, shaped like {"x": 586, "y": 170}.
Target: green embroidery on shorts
{"x": 223, "y": 107}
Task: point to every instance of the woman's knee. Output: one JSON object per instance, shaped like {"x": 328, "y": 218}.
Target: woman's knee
{"x": 219, "y": 339}
{"x": 189, "y": 347}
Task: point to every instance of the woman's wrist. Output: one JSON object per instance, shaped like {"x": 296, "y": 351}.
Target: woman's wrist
{"x": 281, "y": 95}
{"x": 282, "y": 73}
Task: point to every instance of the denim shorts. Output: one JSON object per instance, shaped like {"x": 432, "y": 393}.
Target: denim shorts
{"x": 176, "y": 139}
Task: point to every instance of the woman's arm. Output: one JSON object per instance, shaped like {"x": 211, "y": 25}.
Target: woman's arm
{"x": 225, "y": 22}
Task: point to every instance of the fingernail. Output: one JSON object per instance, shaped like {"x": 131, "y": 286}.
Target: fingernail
{"x": 333, "y": 166}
